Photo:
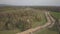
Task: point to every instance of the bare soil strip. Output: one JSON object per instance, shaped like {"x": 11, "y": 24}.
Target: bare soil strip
{"x": 49, "y": 23}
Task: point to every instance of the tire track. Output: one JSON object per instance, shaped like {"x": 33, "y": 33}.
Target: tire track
{"x": 49, "y": 23}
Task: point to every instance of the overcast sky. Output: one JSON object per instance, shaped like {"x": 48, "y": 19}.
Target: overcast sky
{"x": 32, "y": 2}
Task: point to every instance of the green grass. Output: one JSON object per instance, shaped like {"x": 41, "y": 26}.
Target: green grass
{"x": 9, "y": 32}
{"x": 49, "y": 31}
{"x": 56, "y": 14}
{"x": 46, "y": 31}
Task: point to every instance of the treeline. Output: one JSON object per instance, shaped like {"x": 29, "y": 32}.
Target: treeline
{"x": 49, "y": 8}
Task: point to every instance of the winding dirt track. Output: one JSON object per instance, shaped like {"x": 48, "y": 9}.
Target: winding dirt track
{"x": 49, "y": 24}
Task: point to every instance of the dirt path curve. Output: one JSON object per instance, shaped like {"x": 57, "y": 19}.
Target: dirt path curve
{"x": 50, "y": 22}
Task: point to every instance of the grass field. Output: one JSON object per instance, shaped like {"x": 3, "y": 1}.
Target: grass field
{"x": 48, "y": 31}
{"x": 56, "y": 14}
{"x": 9, "y": 31}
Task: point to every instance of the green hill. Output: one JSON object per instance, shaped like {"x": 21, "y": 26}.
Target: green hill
{"x": 14, "y": 20}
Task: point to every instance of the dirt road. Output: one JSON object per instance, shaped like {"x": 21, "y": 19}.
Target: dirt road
{"x": 50, "y": 22}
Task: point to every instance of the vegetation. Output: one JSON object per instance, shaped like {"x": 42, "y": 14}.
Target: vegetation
{"x": 10, "y": 31}
{"x": 56, "y": 26}
{"x": 56, "y": 14}
{"x": 19, "y": 18}
{"x": 46, "y": 31}
{"x": 55, "y": 29}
